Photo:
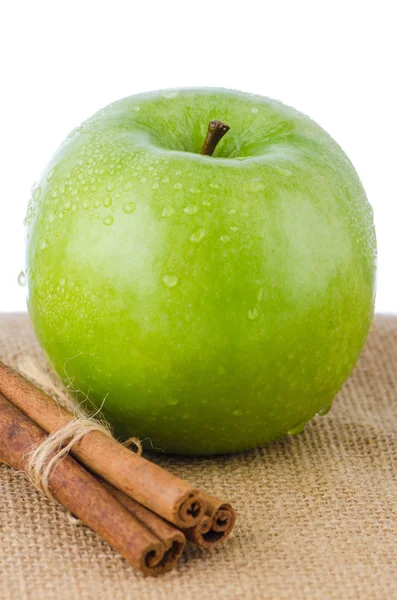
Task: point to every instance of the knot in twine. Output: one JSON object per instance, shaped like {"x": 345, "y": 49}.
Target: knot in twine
{"x": 43, "y": 461}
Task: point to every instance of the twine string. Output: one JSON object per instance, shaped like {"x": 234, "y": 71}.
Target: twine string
{"x": 43, "y": 461}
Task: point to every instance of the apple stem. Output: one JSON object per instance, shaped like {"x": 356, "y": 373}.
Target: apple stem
{"x": 216, "y": 131}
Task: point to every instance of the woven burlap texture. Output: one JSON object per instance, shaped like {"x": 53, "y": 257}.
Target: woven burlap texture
{"x": 316, "y": 512}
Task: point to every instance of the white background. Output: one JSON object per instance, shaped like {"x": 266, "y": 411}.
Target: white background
{"x": 61, "y": 61}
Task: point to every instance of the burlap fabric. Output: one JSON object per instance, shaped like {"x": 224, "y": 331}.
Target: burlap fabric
{"x": 317, "y": 512}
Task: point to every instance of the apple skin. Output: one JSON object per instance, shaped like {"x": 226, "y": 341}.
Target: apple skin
{"x": 207, "y": 304}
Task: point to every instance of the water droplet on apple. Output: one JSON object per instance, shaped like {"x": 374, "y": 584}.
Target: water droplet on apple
{"x": 255, "y": 185}
{"x": 97, "y": 203}
{"x": 260, "y": 294}
{"x": 206, "y": 203}
{"x": 233, "y": 228}
{"x": 225, "y": 238}
{"x": 22, "y": 279}
{"x": 36, "y": 192}
{"x": 86, "y": 204}
{"x": 108, "y": 220}
{"x": 237, "y": 413}
{"x": 51, "y": 218}
{"x": 169, "y": 94}
{"x": 62, "y": 282}
{"x": 51, "y": 173}
{"x": 191, "y": 209}
{"x": 254, "y": 110}
{"x": 298, "y": 428}
{"x": 252, "y": 314}
{"x": 129, "y": 207}
{"x": 166, "y": 179}
{"x": 107, "y": 201}
{"x": 172, "y": 401}
{"x": 136, "y": 108}
{"x": 43, "y": 244}
{"x": 324, "y": 411}
{"x": 197, "y": 236}
{"x": 155, "y": 186}
{"x": 109, "y": 187}
{"x": 168, "y": 211}
{"x": 232, "y": 211}
{"x": 178, "y": 186}
{"x": 170, "y": 280}
{"x": 128, "y": 186}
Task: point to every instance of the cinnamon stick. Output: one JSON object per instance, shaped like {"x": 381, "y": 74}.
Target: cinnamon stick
{"x": 155, "y": 488}
{"x": 216, "y": 526}
{"x": 83, "y": 495}
{"x": 172, "y": 538}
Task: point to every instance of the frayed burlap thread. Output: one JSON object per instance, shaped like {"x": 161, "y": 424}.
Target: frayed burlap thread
{"x": 44, "y": 378}
{"x": 317, "y": 513}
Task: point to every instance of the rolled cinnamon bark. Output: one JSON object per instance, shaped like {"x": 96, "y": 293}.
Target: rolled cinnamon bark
{"x": 83, "y": 495}
{"x": 162, "y": 492}
{"x": 216, "y": 525}
{"x": 173, "y": 539}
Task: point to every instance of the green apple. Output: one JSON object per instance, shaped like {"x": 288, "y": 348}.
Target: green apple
{"x": 207, "y": 304}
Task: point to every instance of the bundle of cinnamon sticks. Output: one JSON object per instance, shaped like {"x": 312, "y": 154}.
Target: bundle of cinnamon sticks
{"x": 143, "y": 511}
